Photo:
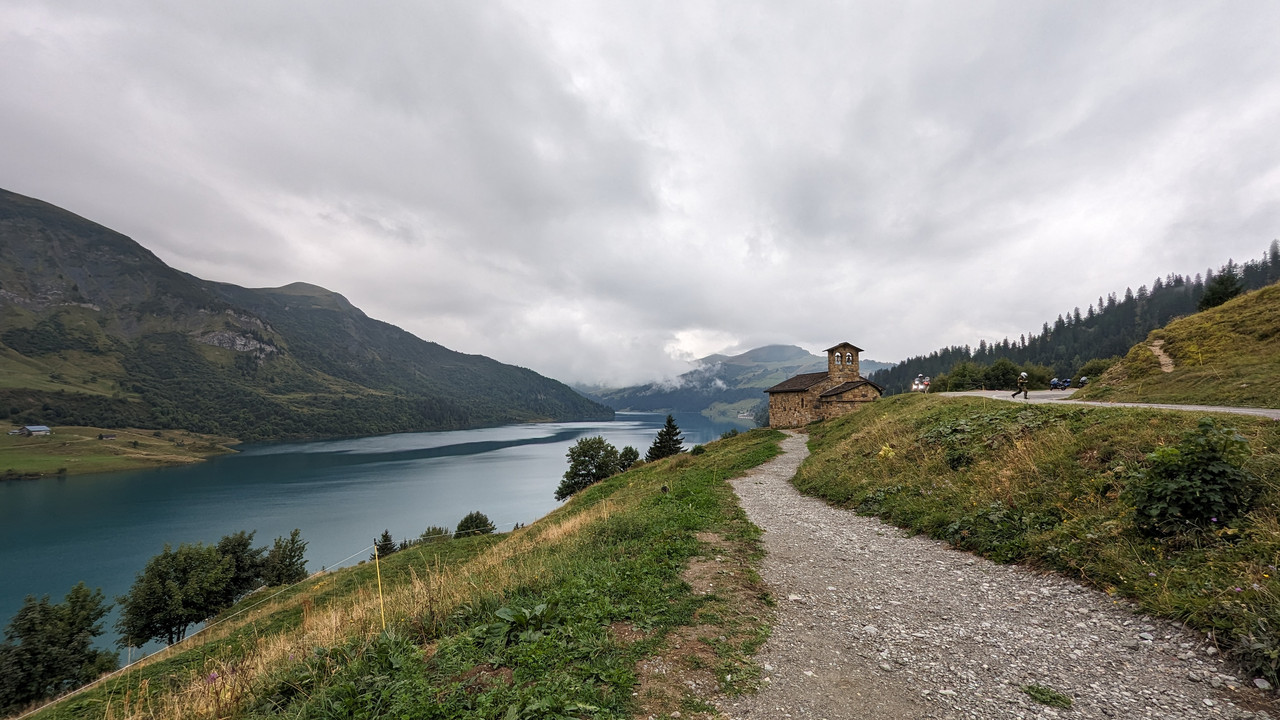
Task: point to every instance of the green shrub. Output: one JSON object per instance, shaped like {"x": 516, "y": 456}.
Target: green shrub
{"x": 1197, "y": 483}
{"x": 435, "y": 533}
{"x": 475, "y": 523}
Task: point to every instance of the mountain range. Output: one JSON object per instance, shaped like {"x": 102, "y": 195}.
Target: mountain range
{"x": 721, "y": 386}
{"x": 96, "y": 330}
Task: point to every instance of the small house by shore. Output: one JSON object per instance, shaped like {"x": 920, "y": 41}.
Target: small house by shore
{"x": 810, "y": 397}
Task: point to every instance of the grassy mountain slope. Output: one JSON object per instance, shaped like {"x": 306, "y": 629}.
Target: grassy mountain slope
{"x": 722, "y": 385}
{"x": 1227, "y": 355}
{"x": 547, "y": 621}
{"x": 95, "y": 330}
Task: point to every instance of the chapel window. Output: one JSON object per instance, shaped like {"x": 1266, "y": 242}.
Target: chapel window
{"x": 837, "y": 358}
{"x": 848, "y": 358}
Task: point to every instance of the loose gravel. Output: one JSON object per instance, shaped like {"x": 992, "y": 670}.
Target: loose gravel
{"x": 875, "y": 624}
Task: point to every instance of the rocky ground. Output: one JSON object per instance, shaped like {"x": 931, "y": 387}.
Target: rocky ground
{"x": 874, "y": 624}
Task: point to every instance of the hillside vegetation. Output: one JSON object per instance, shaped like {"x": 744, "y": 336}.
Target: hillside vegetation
{"x": 95, "y": 330}
{"x": 1227, "y": 355}
{"x": 549, "y": 621}
{"x": 1057, "y": 487}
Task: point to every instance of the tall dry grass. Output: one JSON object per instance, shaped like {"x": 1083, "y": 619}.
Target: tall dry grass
{"x": 432, "y": 593}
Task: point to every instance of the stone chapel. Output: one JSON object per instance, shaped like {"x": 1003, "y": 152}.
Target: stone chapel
{"x": 817, "y": 396}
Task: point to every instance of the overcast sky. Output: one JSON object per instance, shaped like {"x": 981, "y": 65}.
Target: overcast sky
{"x": 602, "y": 191}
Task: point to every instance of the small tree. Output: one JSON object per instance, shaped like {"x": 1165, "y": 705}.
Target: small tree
{"x": 384, "y": 546}
{"x": 590, "y": 461}
{"x": 176, "y": 589}
{"x": 667, "y": 443}
{"x": 435, "y": 533}
{"x": 627, "y": 457}
{"x": 48, "y": 648}
{"x": 286, "y": 560}
{"x": 474, "y": 523}
{"x": 246, "y": 564}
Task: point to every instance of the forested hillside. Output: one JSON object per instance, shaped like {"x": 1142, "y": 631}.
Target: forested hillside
{"x": 1107, "y": 328}
{"x": 96, "y": 330}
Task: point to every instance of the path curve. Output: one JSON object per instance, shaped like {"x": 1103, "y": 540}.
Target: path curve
{"x": 1060, "y": 397}
{"x": 874, "y": 624}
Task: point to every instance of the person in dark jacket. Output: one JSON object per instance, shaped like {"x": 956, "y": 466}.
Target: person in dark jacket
{"x": 1022, "y": 387}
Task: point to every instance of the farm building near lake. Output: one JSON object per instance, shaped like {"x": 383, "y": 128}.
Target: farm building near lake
{"x": 819, "y": 396}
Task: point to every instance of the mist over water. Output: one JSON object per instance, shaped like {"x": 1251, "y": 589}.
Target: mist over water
{"x": 342, "y": 494}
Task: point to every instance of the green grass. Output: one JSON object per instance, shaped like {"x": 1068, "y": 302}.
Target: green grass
{"x": 529, "y": 624}
{"x": 1047, "y": 696}
{"x": 1044, "y": 485}
{"x": 77, "y": 450}
{"x": 1228, "y": 355}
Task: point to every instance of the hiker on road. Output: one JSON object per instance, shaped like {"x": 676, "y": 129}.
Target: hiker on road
{"x": 1022, "y": 387}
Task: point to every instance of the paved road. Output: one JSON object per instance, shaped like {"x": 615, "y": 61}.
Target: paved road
{"x": 1064, "y": 397}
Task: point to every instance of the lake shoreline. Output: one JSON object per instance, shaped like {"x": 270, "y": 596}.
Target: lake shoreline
{"x": 79, "y": 450}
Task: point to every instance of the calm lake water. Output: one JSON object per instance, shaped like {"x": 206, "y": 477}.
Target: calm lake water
{"x": 342, "y": 494}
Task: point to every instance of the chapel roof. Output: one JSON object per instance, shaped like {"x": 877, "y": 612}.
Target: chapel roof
{"x": 833, "y": 347}
{"x": 799, "y": 383}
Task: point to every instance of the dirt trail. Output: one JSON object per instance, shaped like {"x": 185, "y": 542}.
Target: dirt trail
{"x": 1166, "y": 362}
{"x": 874, "y": 624}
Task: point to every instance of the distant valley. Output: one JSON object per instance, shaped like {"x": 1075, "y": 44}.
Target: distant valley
{"x": 722, "y": 387}
{"x": 96, "y": 330}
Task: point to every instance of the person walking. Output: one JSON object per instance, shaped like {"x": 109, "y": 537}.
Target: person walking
{"x": 1022, "y": 387}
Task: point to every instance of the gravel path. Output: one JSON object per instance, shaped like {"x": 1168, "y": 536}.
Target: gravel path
{"x": 873, "y": 624}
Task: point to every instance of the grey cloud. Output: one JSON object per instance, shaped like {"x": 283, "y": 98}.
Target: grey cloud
{"x": 594, "y": 184}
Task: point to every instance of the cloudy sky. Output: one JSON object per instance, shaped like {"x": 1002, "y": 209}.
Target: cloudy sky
{"x": 601, "y": 191}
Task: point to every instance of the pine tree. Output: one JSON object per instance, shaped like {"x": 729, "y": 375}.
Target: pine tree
{"x": 1224, "y": 286}
{"x": 384, "y": 546}
{"x": 667, "y": 443}
{"x": 286, "y": 561}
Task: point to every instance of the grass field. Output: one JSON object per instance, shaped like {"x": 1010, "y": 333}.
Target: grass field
{"x": 77, "y": 450}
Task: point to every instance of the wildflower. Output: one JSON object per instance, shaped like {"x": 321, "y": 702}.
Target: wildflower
{"x": 1239, "y": 590}
{"x": 1213, "y": 519}
{"x": 213, "y": 677}
{"x": 1151, "y": 574}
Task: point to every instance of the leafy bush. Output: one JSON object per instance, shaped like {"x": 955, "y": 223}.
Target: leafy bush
{"x": 435, "y": 533}
{"x": 475, "y": 523}
{"x": 590, "y": 461}
{"x": 1199, "y": 482}
{"x": 627, "y": 457}
{"x": 1095, "y": 367}
{"x": 697, "y": 450}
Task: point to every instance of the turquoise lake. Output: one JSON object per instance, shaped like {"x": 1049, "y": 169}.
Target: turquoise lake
{"x": 342, "y": 494}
